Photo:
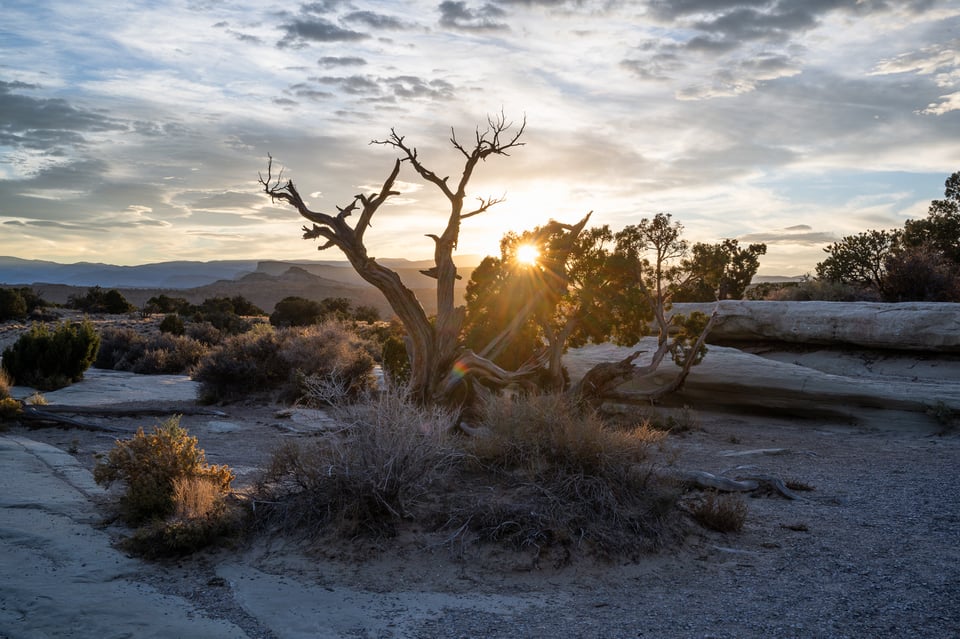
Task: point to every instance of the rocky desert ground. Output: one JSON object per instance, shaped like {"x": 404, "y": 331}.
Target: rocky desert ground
{"x": 870, "y": 551}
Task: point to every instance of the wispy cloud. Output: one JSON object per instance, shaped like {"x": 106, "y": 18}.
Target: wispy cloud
{"x": 138, "y": 130}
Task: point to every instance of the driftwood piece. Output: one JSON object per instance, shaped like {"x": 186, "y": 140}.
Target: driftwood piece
{"x": 60, "y": 415}
{"x": 741, "y": 484}
{"x": 33, "y": 416}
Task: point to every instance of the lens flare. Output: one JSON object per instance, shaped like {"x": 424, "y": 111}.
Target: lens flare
{"x": 528, "y": 254}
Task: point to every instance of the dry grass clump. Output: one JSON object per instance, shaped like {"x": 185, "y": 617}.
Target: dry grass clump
{"x": 720, "y": 512}
{"x": 149, "y": 465}
{"x": 177, "y": 501}
{"x": 377, "y": 471}
{"x": 561, "y": 477}
{"x": 543, "y": 477}
{"x": 6, "y": 383}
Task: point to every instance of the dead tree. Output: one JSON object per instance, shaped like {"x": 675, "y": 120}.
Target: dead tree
{"x": 437, "y": 359}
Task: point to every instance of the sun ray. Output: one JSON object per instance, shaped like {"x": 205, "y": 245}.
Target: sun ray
{"x": 528, "y": 254}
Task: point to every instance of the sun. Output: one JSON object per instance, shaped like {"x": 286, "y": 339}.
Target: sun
{"x": 528, "y": 254}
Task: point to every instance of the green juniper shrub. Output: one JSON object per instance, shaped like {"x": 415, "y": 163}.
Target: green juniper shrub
{"x": 296, "y": 311}
{"x": 395, "y": 361}
{"x": 12, "y": 305}
{"x": 173, "y": 324}
{"x": 49, "y": 360}
{"x": 165, "y": 304}
{"x": 365, "y": 313}
{"x": 96, "y": 300}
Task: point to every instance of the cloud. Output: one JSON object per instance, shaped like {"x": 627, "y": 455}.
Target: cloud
{"x": 403, "y": 87}
{"x": 341, "y": 61}
{"x": 455, "y": 14}
{"x": 799, "y": 234}
{"x": 377, "y": 20}
{"x": 941, "y": 61}
{"x": 947, "y": 103}
{"x": 46, "y": 124}
{"x": 303, "y": 30}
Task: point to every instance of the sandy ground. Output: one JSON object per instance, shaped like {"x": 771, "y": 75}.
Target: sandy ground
{"x": 872, "y": 551}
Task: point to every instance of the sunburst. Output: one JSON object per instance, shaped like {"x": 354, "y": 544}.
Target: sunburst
{"x": 528, "y": 254}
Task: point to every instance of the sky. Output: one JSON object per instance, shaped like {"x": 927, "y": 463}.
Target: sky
{"x": 134, "y": 132}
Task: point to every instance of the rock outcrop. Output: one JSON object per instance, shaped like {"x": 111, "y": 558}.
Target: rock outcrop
{"x": 911, "y": 326}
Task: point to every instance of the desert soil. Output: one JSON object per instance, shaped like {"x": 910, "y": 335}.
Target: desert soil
{"x": 872, "y": 551}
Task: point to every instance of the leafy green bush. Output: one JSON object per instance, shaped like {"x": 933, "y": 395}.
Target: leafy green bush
{"x": 268, "y": 360}
{"x": 150, "y": 467}
{"x": 51, "y": 360}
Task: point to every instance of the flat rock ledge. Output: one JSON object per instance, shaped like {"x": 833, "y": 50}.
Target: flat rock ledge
{"x": 910, "y": 326}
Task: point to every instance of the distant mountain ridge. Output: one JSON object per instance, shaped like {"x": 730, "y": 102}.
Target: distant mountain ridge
{"x": 182, "y": 274}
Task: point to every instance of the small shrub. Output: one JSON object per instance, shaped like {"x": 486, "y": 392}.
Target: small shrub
{"x": 205, "y": 333}
{"x": 37, "y": 399}
{"x": 165, "y": 304}
{"x": 10, "y": 410}
{"x": 268, "y": 360}
{"x": 390, "y": 457}
{"x": 296, "y": 311}
{"x": 720, "y": 512}
{"x": 173, "y": 324}
{"x": 49, "y": 360}
{"x": 5, "y": 383}
{"x": 96, "y": 300}
{"x": 150, "y": 465}
{"x": 395, "y": 361}
{"x": 12, "y": 305}
{"x": 368, "y": 314}
{"x": 243, "y": 365}
{"x": 565, "y": 479}
{"x": 124, "y": 349}
{"x": 548, "y": 433}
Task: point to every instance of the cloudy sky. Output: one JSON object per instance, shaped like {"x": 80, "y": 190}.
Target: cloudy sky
{"x": 133, "y": 132}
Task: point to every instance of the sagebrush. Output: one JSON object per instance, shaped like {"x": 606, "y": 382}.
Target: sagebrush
{"x": 388, "y": 458}
{"x": 151, "y": 464}
{"x": 274, "y": 362}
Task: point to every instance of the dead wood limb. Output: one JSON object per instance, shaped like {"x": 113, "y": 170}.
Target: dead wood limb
{"x": 741, "y": 484}
{"x": 31, "y": 416}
